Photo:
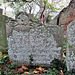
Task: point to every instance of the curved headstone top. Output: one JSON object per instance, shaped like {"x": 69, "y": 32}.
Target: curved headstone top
{"x": 22, "y": 18}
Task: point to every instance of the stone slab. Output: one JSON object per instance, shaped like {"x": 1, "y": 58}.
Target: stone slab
{"x": 43, "y": 42}
{"x": 70, "y": 54}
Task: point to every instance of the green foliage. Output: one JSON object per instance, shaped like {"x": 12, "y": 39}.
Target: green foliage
{"x": 31, "y": 71}
{"x": 31, "y": 59}
{"x": 4, "y": 60}
{"x": 11, "y": 66}
{"x": 0, "y": 53}
{"x": 64, "y": 43}
{"x": 71, "y": 72}
{"x": 18, "y": 4}
{"x": 11, "y": 4}
{"x": 0, "y": 4}
{"x": 64, "y": 46}
{"x": 7, "y": 73}
{"x": 53, "y": 72}
{"x": 0, "y": 71}
{"x": 35, "y": 17}
{"x": 4, "y": 1}
{"x": 58, "y": 64}
{"x": 24, "y": 74}
{"x": 48, "y": 18}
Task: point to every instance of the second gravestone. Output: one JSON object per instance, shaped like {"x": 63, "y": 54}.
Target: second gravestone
{"x": 70, "y": 54}
{"x": 3, "y": 38}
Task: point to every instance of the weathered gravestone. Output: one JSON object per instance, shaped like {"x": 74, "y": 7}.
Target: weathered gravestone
{"x": 3, "y": 37}
{"x": 70, "y": 54}
{"x": 43, "y": 42}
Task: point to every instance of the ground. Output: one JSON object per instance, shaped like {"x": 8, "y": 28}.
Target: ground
{"x": 7, "y": 67}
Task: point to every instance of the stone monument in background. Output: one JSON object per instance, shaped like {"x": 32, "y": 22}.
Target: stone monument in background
{"x": 3, "y": 37}
{"x": 70, "y": 54}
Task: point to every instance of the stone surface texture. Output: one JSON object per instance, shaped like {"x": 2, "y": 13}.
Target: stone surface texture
{"x": 70, "y": 54}
{"x": 44, "y": 42}
{"x": 54, "y": 21}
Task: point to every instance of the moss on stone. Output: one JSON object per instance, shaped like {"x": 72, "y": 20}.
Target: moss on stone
{"x": 3, "y": 37}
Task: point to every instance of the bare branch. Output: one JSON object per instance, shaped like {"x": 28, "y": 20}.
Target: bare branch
{"x": 45, "y": 17}
{"x": 19, "y": 1}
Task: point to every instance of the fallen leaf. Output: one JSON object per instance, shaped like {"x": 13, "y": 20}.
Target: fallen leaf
{"x": 40, "y": 69}
{"x": 27, "y": 72}
{"x": 16, "y": 69}
{"x": 20, "y": 70}
{"x": 35, "y": 71}
{"x": 9, "y": 62}
{"x": 44, "y": 71}
{"x": 1, "y": 66}
{"x": 25, "y": 68}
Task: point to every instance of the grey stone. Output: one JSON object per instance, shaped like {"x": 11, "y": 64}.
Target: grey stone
{"x": 23, "y": 28}
{"x": 8, "y": 30}
{"x": 26, "y": 37}
{"x": 22, "y": 19}
{"x": 40, "y": 41}
{"x": 54, "y": 21}
{"x": 70, "y": 54}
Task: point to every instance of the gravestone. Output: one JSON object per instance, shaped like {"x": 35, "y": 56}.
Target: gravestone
{"x": 3, "y": 37}
{"x": 44, "y": 42}
{"x": 70, "y": 54}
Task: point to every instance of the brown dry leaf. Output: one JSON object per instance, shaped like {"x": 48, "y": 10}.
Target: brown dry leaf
{"x": 2, "y": 66}
{"x": 9, "y": 62}
{"x": 0, "y": 59}
{"x": 20, "y": 70}
{"x": 35, "y": 71}
{"x": 44, "y": 71}
{"x": 25, "y": 68}
{"x": 27, "y": 72}
{"x": 17, "y": 67}
{"x": 41, "y": 69}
